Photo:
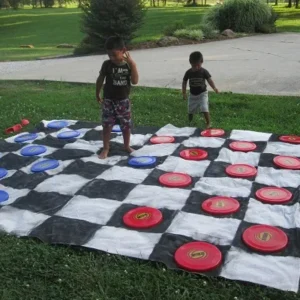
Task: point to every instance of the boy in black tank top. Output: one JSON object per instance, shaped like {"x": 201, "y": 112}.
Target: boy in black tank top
{"x": 197, "y": 77}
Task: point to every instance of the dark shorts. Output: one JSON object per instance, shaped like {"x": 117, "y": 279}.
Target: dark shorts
{"x": 116, "y": 111}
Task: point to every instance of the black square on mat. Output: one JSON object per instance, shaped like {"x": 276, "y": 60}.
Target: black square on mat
{"x": 159, "y": 160}
{"x": 21, "y": 180}
{"x": 92, "y": 135}
{"x": 165, "y": 250}
{"x": 218, "y": 169}
{"x": 266, "y": 160}
{"x": 198, "y": 131}
{"x": 196, "y": 199}
{"x": 9, "y": 147}
{"x": 13, "y": 161}
{"x": 68, "y": 154}
{"x": 295, "y": 199}
{"x": 53, "y": 142}
{"x": 59, "y": 230}
{"x": 113, "y": 189}
{"x": 84, "y": 124}
{"x": 153, "y": 179}
{"x": 88, "y": 170}
{"x": 292, "y": 248}
{"x": 117, "y": 149}
{"x": 145, "y": 130}
{"x": 45, "y": 203}
{"x": 117, "y": 219}
{"x": 260, "y": 146}
{"x": 213, "y": 153}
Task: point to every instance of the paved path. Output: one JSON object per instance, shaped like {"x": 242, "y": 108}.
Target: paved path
{"x": 265, "y": 64}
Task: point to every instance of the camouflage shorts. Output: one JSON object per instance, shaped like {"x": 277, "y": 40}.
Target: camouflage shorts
{"x": 116, "y": 111}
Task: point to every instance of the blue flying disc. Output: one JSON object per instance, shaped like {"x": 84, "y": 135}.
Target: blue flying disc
{"x": 33, "y": 150}
{"x": 45, "y": 165}
{"x": 3, "y": 172}
{"x": 3, "y": 196}
{"x": 57, "y": 124}
{"x": 68, "y": 134}
{"x": 142, "y": 161}
{"x": 116, "y": 128}
{"x": 25, "y": 137}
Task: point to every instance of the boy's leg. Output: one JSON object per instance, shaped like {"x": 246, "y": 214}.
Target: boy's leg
{"x": 124, "y": 115}
{"x": 106, "y": 139}
{"x": 108, "y": 121}
{"x": 204, "y": 108}
{"x": 190, "y": 118}
{"x": 192, "y": 107}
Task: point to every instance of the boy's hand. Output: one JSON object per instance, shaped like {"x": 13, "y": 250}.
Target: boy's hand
{"x": 128, "y": 58}
{"x": 99, "y": 99}
{"x": 216, "y": 90}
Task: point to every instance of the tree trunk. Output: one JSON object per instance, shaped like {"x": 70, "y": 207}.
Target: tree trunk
{"x": 297, "y": 3}
{"x": 290, "y": 3}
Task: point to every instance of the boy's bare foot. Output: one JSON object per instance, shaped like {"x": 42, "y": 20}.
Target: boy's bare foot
{"x": 129, "y": 149}
{"x": 103, "y": 154}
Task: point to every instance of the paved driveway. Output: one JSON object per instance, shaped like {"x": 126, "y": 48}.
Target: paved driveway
{"x": 265, "y": 64}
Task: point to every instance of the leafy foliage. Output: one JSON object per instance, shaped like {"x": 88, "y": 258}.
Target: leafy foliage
{"x": 105, "y": 18}
{"x": 194, "y": 34}
{"x": 241, "y": 15}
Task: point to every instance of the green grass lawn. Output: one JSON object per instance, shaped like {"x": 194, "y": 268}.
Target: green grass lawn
{"x": 46, "y": 28}
{"x": 36, "y": 271}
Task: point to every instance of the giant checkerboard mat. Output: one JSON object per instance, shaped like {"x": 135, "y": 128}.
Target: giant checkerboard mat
{"x": 83, "y": 200}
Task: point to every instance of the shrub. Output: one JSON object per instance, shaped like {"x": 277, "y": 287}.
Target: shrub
{"x": 105, "y": 18}
{"x": 170, "y": 29}
{"x": 48, "y": 3}
{"x": 195, "y": 34}
{"x": 209, "y": 31}
{"x": 14, "y": 3}
{"x": 240, "y": 15}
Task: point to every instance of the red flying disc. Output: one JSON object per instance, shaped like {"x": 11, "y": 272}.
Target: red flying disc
{"x": 287, "y": 162}
{"x": 212, "y": 132}
{"x": 162, "y": 139}
{"x": 242, "y": 146}
{"x": 175, "y": 180}
{"x": 290, "y": 139}
{"x": 193, "y": 154}
{"x": 221, "y": 205}
{"x": 241, "y": 170}
{"x": 198, "y": 256}
{"x": 143, "y": 217}
{"x": 274, "y": 195}
{"x": 265, "y": 238}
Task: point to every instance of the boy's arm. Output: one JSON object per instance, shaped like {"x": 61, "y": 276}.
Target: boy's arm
{"x": 99, "y": 85}
{"x": 132, "y": 65}
{"x": 184, "y": 84}
{"x": 212, "y": 84}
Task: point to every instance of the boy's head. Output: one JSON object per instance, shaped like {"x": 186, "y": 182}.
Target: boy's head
{"x": 196, "y": 59}
{"x": 115, "y": 48}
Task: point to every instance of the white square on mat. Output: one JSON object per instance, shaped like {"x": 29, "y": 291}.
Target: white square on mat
{"x": 63, "y": 184}
{"x": 13, "y": 194}
{"x": 94, "y": 210}
{"x": 206, "y": 142}
{"x": 80, "y": 144}
{"x": 280, "y": 178}
{"x": 124, "y": 242}
{"x": 18, "y": 221}
{"x": 156, "y": 150}
{"x": 282, "y": 149}
{"x": 177, "y": 164}
{"x": 250, "y": 136}
{"x": 274, "y": 215}
{"x": 125, "y": 174}
{"x": 237, "y": 157}
{"x": 269, "y": 270}
{"x": 135, "y": 139}
{"x": 171, "y": 130}
{"x": 158, "y": 197}
{"x": 224, "y": 186}
{"x": 204, "y": 228}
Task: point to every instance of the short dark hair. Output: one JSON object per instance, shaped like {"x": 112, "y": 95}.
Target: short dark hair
{"x": 114, "y": 43}
{"x": 196, "y": 57}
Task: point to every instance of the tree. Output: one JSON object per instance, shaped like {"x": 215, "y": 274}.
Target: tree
{"x": 105, "y": 18}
